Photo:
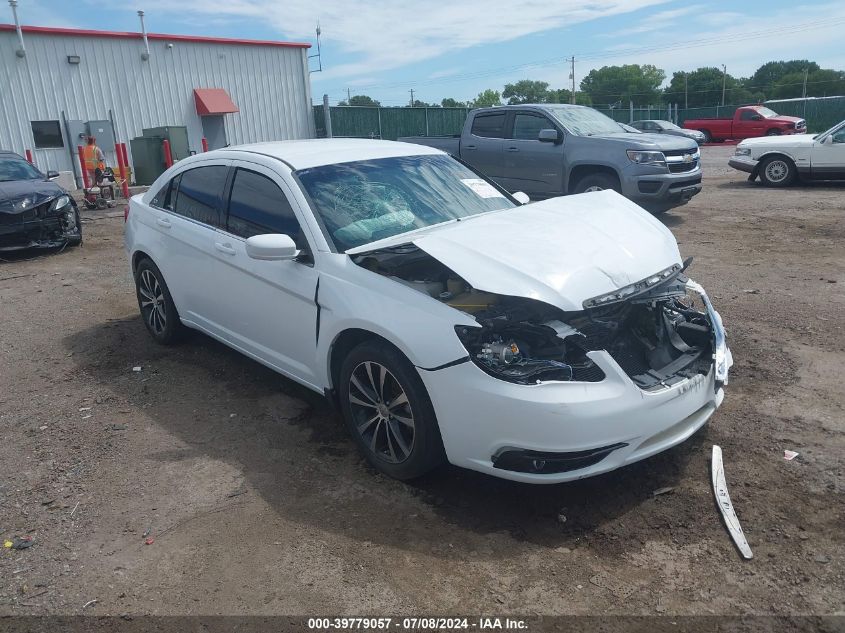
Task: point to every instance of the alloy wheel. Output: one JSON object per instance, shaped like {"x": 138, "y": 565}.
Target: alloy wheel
{"x": 593, "y": 188}
{"x": 381, "y": 412}
{"x": 777, "y": 171}
{"x": 152, "y": 301}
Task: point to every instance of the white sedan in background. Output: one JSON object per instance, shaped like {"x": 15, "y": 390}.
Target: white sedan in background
{"x": 780, "y": 160}
{"x": 537, "y": 342}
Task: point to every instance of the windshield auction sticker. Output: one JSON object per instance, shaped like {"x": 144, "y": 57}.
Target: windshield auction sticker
{"x": 482, "y": 188}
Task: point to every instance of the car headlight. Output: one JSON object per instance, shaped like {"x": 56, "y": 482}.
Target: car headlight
{"x": 742, "y": 151}
{"x": 60, "y": 203}
{"x": 647, "y": 158}
{"x": 632, "y": 289}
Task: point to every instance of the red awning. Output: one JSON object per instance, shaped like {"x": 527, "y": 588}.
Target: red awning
{"x": 213, "y": 101}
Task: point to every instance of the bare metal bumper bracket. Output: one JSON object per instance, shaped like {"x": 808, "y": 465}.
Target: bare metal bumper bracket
{"x": 723, "y": 499}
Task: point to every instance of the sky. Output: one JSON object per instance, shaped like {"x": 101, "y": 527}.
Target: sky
{"x": 457, "y": 49}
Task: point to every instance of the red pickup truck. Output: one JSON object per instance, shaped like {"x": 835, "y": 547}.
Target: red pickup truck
{"x": 747, "y": 122}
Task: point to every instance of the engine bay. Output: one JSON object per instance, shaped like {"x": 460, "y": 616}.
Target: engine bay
{"x": 658, "y": 337}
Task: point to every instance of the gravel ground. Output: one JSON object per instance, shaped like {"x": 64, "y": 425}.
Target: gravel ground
{"x": 256, "y": 501}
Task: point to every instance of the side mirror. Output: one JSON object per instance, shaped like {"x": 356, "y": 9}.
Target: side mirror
{"x": 52, "y": 175}
{"x": 548, "y": 136}
{"x": 521, "y": 197}
{"x": 828, "y": 140}
{"x": 271, "y": 247}
{"x": 757, "y": 117}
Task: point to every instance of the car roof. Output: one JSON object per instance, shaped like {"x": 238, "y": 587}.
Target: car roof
{"x": 316, "y": 152}
{"x": 8, "y": 152}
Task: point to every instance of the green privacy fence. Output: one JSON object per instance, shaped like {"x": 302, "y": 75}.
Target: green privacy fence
{"x": 391, "y": 123}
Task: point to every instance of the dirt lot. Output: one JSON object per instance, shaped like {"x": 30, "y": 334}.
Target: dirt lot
{"x": 258, "y": 502}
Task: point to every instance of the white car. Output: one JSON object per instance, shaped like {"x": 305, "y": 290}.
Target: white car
{"x": 540, "y": 342}
{"x": 779, "y": 160}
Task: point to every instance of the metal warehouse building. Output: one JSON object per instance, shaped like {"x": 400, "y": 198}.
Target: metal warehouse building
{"x": 57, "y": 85}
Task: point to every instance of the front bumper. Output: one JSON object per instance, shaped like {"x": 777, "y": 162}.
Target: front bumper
{"x": 661, "y": 190}
{"x": 490, "y": 425}
{"x": 743, "y": 163}
{"x": 39, "y": 229}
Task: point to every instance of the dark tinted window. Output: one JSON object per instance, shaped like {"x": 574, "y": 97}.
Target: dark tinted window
{"x": 489, "y": 125}
{"x": 165, "y": 198}
{"x": 199, "y": 194}
{"x": 47, "y": 134}
{"x": 258, "y": 206}
{"x": 527, "y": 126}
{"x": 747, "y": 115}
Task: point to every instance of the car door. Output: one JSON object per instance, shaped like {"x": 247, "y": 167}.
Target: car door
{"x": 531, "y": 166}
{"x": 752, "y": 125}
{"x": 266, "y": 308}
{"x": 828, "y": 158}
{"x": 185, "y": 216}
{"x": 483, "y": 147}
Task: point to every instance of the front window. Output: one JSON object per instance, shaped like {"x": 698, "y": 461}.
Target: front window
{"x": 583, "y": 121}
{"x": 365, "y": 201}
{"x": 17, "y": 169}
{"x": 668, "y": 125}
{"x": 767, "y": 114}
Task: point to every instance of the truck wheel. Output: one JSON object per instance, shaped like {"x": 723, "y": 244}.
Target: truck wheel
{"x": 597, "y": 182}
{"x": 708, "y": 138}
{"x": 777, "y": 171}
{"x": 774, "y": 132}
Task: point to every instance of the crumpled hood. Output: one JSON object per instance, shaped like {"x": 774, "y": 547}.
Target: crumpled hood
{"x": 560, "y": 251}
{"x": 36, "y": 191}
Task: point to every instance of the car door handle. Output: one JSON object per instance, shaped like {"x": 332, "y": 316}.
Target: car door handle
{"x": 225, "y": 248}
{"x": 469, "y": 146}
{"x": 512, "y": 149}
{"x": 163, "y": 222}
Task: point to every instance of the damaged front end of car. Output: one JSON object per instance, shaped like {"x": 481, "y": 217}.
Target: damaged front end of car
{"x": 27, "y": 223}
{"x": 660, "y": 330}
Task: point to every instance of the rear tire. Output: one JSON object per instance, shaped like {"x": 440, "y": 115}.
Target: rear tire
{"x": 156, "y": 305}
{"x": 598, "y": 181}
{"x": 708, "y": 138}
{"x": 388, "y": 412}
{"x": 777, "y": 171}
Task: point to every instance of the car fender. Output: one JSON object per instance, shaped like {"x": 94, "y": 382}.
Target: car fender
{"x": 421, "y": 327}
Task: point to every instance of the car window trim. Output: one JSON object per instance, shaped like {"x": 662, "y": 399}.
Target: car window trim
{"x": 487, "y": 115}
{"x": 542, "y": 115}
{"x": 309, "y": 250}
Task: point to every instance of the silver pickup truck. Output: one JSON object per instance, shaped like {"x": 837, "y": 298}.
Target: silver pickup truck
{"x": 553, "y": 150}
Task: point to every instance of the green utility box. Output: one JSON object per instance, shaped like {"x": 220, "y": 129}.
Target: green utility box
{"x": 176, "y": 134}
{"x": 147, "y": 158}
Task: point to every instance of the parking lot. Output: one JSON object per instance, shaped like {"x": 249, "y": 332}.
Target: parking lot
{"x": 254, "y": 500}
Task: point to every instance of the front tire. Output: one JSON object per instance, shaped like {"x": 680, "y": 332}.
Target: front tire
{"x": 708, "y": 138}
{"x": 777, "y": 171}
{"x": 597, "y": 182}
{"x": 388, "y": 412}
{"x": 156, "y": 305}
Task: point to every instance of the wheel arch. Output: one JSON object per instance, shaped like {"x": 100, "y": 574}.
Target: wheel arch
{"x": 347, "y": 340}
{"x": 578, "y": 172}
{"x": 773, "y": 154}
{"x": 137, "y": 256}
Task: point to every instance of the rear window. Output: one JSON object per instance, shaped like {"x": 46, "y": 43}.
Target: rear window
{"x": 199, "y": 194}
{"x": 489, "y": 125}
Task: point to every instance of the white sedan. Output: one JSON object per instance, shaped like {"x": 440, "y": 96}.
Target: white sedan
{"x": 780, "y": 160}
{"x": 537, "y": 342}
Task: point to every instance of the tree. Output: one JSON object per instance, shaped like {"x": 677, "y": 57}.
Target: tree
{"x": 631, "y": 82}
{"x": 526, "y": 91}
{"x": 448, "y": 102}
{"x": 562, "y": 95}
{"x": 422, "y": 104}
{"x": 764, "y": 78}
{"x": 486, "y": 98}
{"x": 360, "y": 100}
{"x": 704, "y": 88}
{"x": 822, "y": 82}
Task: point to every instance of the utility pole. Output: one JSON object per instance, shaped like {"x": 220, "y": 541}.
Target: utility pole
{"x": 686, "y": 91}
{"x": 804, "y": 90}
{"x": 412, "y": 97}
{"x": 572, "y": 77}
{"x": 724, "y": 79}
{"x": 348, "y": 97}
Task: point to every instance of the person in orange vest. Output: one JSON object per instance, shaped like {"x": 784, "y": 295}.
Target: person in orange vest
{"x": 94, "y": 159}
